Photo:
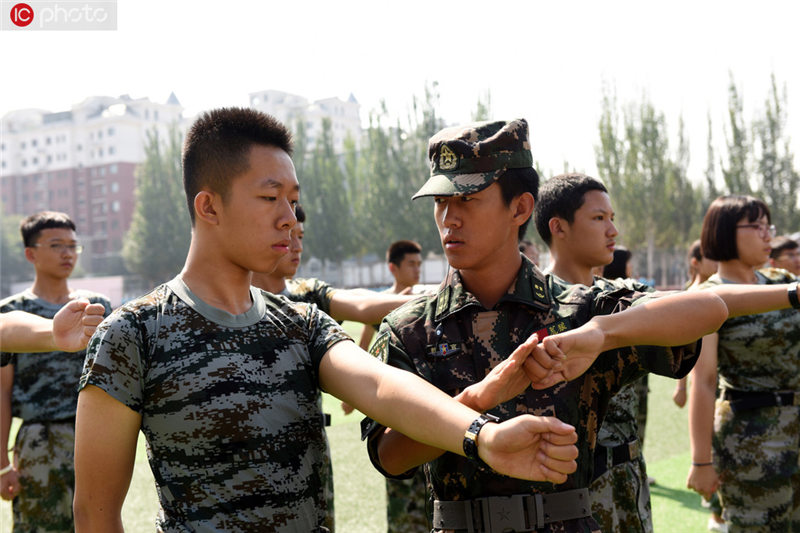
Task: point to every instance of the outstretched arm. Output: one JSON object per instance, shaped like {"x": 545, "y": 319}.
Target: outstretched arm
{"x": 702, "y": 476}
{"x": 527, "y": 447}
{"x": 105, "y": 448}
{"x": 364, "y": 306}
{"x": 672, "y": 320}
{"x": 744, "y": 299}
{"x": 69, "y": 331}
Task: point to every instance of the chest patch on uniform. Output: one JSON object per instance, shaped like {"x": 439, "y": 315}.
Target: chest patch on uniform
{"x": 559, "y": 326}
{"x": 443, "y": 349}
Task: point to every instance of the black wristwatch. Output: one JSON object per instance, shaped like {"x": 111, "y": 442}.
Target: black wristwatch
{"x": 793, "y": 295}
{"x": 471, "y": 436}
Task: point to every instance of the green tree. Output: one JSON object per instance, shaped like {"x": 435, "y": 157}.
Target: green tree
{"x": 157, "y": 242}
{"x": 736, "y": 172}
{"x": 777, "y": 178}
{"x": 13, "y": 265}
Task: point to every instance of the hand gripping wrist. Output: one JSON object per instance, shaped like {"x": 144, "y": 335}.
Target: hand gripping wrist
{"x": 471, "y": 436}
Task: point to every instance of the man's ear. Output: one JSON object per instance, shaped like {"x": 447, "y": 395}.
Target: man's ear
{"x": 392, "y": 268}
{"x": 522, "y": 207}
{"x": 206, "y": 204}
{"x": 30, "y": 254}
{"x": 557, "y": 226}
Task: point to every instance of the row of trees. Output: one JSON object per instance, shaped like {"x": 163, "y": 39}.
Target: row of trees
{"x": 358, "y": 200}
{"x": 660, "y": 209}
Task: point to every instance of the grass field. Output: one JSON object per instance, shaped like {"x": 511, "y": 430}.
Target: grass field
{"x": 360, "y": 494}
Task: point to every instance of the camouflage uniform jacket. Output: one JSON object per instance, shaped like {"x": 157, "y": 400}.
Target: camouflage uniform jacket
{"x": 229, "y": 405}
{"x": 760, "y": 352}
{"x": 452, "y": 341}
{"x": 311, "y": 291}
{"x": 45, "y": 384}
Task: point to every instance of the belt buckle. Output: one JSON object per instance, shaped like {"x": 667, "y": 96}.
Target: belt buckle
{"x": 506, "y": 513}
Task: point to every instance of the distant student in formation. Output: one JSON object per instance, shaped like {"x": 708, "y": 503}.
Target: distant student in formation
{"x": 744, "y": 420}
{"x": 463, "y": 338}
{"x": 529, "y": 250}
{"x": 40, "y": 388}
{"x": 404, "y": 259}
{"x": 785, "y": 254}
{"x": 406, "y": 499}
{"x": 224, "y": 379}
{"x": 700, "y": 269}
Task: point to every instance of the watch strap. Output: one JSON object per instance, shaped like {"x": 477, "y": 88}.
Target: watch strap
{"x": 792, "y": 291}
{"x": 471, "y": 436}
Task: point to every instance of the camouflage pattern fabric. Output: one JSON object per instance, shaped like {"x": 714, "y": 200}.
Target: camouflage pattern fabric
{"x": 45, "y": 391}
{"x": 642, "y": 387}
{"x": 310, "y": 291}
{"x": 450, "y": 340}
{"x": 314, "y": 291}
{"x": 755, "y": 451}
{"x": 45, "y": 383}
{"x": 621, "y": 495}
{"x": 407, "y": 499}
{"x": 467, "y": 159}
{"x": 229, "y": 404}
{"x": 43, "y": 454}
{"x": 621, "y": 498}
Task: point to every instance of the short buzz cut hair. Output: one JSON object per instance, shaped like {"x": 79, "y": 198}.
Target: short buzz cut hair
{"x": 299, "y": 213}
{"x": 782, "y": 244}
{"x": 561, "y": 196}
{"x": 397, "y": 251}
{"x": 32, "y": 226}
{"x": 718, "y": 236}
{"x": 217, "y": 148}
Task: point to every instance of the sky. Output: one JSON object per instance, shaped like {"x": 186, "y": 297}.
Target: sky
{"x": 545, "y": 61}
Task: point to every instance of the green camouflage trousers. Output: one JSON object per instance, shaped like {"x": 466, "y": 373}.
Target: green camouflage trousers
{"x": 406, "y": 503}
{"x": 44, "y": 455}
{"x": 621, "y": 498}
{"x": 756, "y": 455}
{"x": 327, "y": 485}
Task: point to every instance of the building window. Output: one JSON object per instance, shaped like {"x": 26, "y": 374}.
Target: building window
{"x": 112, "y": 169}
{"x": 47, "y": 141}
{"x": 115, "y": 206}
{"x": 114, "y": 186}
{"x": 102, "y": 171}
{"x": 100, "y": 134}
{"x": 110, "y": 132}
{"x": 35, "y": 161}
{"x": 22, "y": 145}
{"x": 34, "y": 143}
{"x": 111, "y": 150}
{"x": 79, "y": 147}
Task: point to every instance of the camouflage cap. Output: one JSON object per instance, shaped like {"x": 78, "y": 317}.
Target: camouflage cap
{"x": 467, "y": 159}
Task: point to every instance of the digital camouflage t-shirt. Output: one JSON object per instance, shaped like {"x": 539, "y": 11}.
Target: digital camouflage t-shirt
{"x": 229, "y": 405}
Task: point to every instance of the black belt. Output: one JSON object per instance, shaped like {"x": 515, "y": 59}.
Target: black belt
{"x": 520, "y": 512}
{"x": 743, "y": 400}
{"x": 606, "y": 458}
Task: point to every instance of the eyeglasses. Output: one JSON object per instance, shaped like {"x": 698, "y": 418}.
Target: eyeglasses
{"x": 763, "y": 229}
{"x": 61, "y": 248}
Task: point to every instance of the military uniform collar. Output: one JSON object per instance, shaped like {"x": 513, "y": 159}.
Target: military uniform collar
{"x": 529, "y": 288}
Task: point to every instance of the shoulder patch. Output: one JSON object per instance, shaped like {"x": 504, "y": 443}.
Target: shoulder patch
{"x": 443, "y": 301}
{"x": 539, "y": 291}
{"x": 378, "y": 347}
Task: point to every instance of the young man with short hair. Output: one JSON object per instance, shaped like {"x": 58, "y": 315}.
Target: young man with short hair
{"x": 224, "y": 379}
{"x": 575, "y": 218}
{"x": 404, "y": 259}
{"x": 785, "y": 254}
{"x": 39, "y": 388}
{"x": 459, "y": 339}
